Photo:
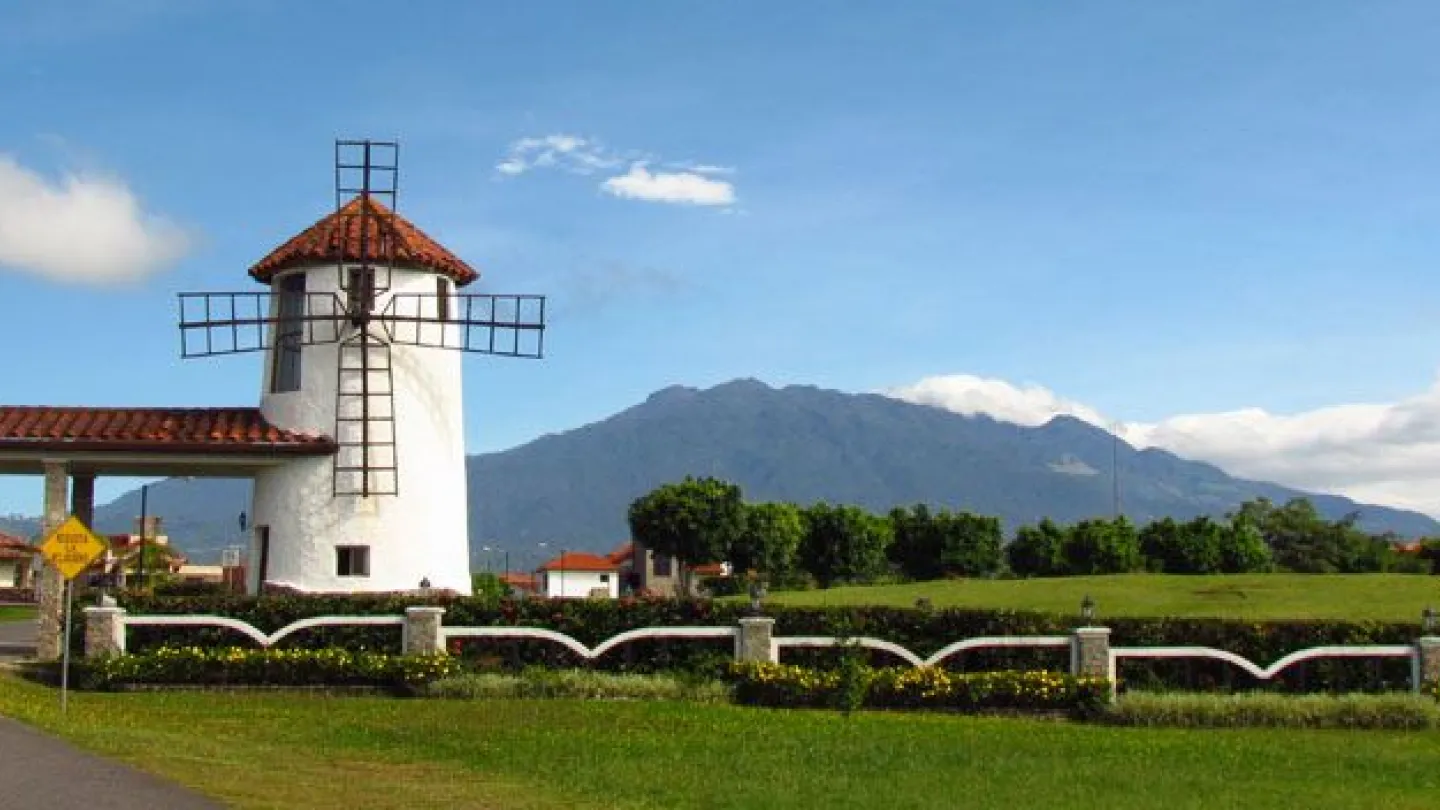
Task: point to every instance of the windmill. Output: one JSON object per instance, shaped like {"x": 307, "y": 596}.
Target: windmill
{"x": 362, "y": 331}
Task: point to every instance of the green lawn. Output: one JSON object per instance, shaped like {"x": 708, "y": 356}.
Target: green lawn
{"x": 282, "y": 751}
{"x": 16, "y": 613}
{"x": 1392, "y": 597}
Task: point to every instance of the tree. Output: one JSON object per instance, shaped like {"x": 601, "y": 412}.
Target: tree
{"x": 1193, "y": 547}
{"x": 696, "y": 521}
{"x": 1102, "y": 547}
{"x": 970, "y": 544}
{"x": 1244, "y": 550}
{"x": 843, "y": 544}
{"x": 916, "y": 545}
{"x": 1038, "y": 551}
{"x": 768, "y": 540}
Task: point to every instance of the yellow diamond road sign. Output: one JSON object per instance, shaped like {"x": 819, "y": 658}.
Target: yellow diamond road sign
{"x": 72, "y": 547}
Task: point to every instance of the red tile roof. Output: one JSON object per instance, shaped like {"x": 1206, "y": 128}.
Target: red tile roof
{"x": 525, "y": 582}
{"x": 238, "y": 430}
{"x": 622, "y": 554}
{"x": 10, "y": 541}
{"x": 336, "y": 238}
{"x": 709, "y": 570}
{"x": 578, "y": 561}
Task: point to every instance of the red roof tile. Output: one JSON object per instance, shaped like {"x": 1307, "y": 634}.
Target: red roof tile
{"x": 620, "y": 555}
{"x": 709, "y": 570}
{"x": 578, "y": 561}
{"x": 151, "y": 429}
{"x": 10, "y": 541}
{"x": 336, "y": 238}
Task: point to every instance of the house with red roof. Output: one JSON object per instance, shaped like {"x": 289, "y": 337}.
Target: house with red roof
{"x": 17, "y": 562}
{"x": 578, "y": 575}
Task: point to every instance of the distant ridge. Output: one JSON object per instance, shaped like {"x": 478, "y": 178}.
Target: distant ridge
{"x": 799, "y": 443}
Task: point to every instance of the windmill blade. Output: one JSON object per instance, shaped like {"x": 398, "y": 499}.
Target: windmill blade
{"x": 216, "y": 323}
{"x": 506, "y": 325}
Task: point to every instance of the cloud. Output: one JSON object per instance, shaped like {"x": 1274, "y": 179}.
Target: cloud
{"x": 82, "y": 229}
{"x": 684, "y": 183}
{"x": 1385, "y": 453}
{"x": 570, "y": 153}
{"x": 670, "y": 187}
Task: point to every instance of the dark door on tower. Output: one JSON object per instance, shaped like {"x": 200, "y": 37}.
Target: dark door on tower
{"x": 262, "y": 568}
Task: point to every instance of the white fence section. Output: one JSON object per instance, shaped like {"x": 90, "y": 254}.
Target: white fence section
{"x": 1266, "y": 673}
{"x": 110, "y": 623}
{"x": 261, "y": 638}
{"x": 578, "y": 647}
{"x": 978, "y": 643}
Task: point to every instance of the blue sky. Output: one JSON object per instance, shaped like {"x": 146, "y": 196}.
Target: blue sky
{"x": 1153, "y": 209}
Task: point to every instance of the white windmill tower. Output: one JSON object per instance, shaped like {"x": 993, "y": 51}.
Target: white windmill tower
{"x": 362, "y": 332}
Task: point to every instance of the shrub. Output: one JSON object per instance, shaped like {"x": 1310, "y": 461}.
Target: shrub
{"x": 271, "y": 667}
{"x": 1351, "y": 711}
{"x": 783, "y": 685}
{"x": 580, "y": 684}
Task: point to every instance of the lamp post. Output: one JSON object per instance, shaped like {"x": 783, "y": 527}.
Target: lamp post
{"x": 144, "y": 522}
{"x": 1427, "y": 620}
{"x": 1087, "y": 610}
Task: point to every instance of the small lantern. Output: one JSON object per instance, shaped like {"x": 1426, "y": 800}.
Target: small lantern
{"x": 1427, "y": 620}
{"x": 757, "y": 596}
{"x": 424, "y": 586}
{"x": 1087, "y": 609}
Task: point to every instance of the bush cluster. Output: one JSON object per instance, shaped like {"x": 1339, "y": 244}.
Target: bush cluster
{"x": 784, "y": 685}
{"x": 537, "y": 682}
{"x": 267, "y": 667}
{"x": 1350, "y": 711}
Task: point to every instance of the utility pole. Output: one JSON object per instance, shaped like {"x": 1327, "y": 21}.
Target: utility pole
{"x": 1115, "y": 465}
{"x": 144, "y": 521}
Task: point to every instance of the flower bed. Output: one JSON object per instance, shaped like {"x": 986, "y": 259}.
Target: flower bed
{"x": 231, "y": 666}
{"x": 782, "y": 685}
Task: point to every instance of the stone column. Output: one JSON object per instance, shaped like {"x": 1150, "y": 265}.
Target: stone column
{"x": 104, "y": 631}
{"x": 82, "y": 498}
{"x": 50, "y": 583}
{"x": 1090, "y": 653}
{"x": 1427, "y": 661}
{"x": 755, "y": 640}
{"x": 422, "y": 634}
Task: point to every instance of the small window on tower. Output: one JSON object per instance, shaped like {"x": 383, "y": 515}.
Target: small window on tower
{"x": 289, "y": 329}
{"x": 360, "y": 289}
{"x": 442, "y": 299}
{"x": 352, "y": 561}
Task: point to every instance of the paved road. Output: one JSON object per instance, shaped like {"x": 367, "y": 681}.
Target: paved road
{"x": 38, "y": 771}
{"x": 17, "y": 639}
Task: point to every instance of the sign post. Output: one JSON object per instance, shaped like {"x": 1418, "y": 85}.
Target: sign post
{"x": 71, "y": 548}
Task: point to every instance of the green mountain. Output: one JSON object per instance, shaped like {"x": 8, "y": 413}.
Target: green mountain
{"x": 798, "y": 443}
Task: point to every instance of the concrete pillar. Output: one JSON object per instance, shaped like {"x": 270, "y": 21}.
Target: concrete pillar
{"x": 422, "y": 634}
{"x": 104, "y": 631}
{"x": 1090, "y": 653}
{"x": 51, "y": 584}
{"x": 755, "y": 641}
{"x": 82, "y": 498}
{"x": 1427, "y": 661}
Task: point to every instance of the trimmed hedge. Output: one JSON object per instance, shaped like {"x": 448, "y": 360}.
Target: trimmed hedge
{"x": 1394, "y": 711}
{"x": 229, "y": 666}
{"x": 784, "y": 685}
{"x": 922, "y": 631}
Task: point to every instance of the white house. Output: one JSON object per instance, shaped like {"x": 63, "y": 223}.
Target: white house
{"x": 577, "y": 575}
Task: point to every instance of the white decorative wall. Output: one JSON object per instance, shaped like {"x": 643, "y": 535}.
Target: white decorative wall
{"x": 420, "y": 533}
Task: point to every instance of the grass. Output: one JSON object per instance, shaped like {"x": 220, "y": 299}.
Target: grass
{"x": 579, "y": 684}
{"x": 1255, "y": 710}
{"x": 16, "y": 613}
{"x": 280, "y": 751}
{"x": 1384, "y": 597}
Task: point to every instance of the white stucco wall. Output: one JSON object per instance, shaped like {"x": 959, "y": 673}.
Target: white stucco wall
{"x": 577, "y": 584}
{"x": 8, "y": 570}
{"x": 417, "y": 534}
